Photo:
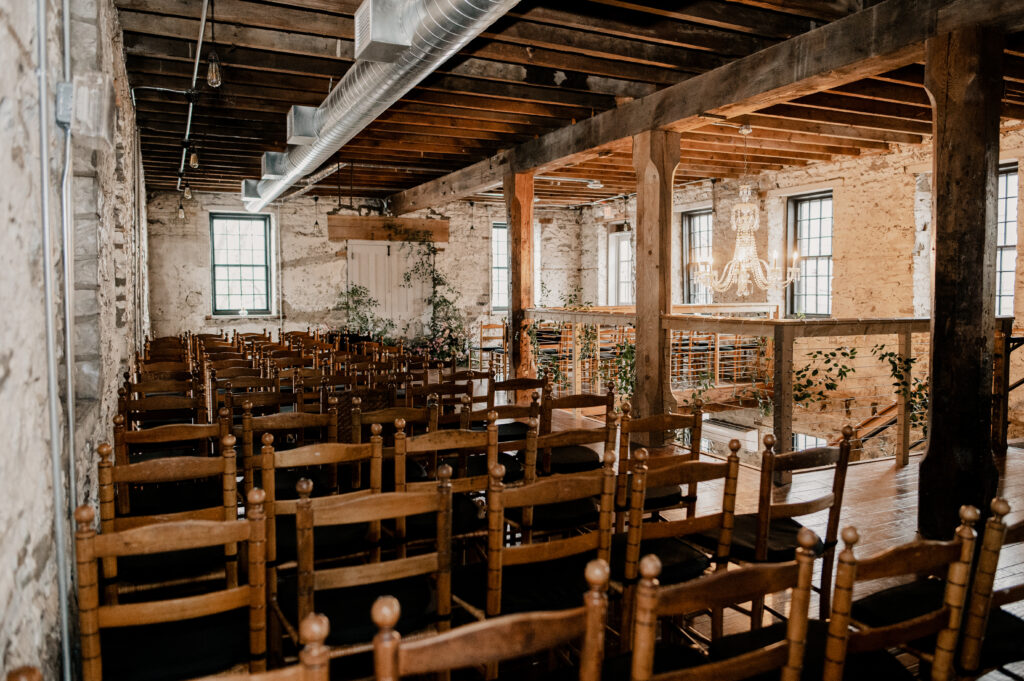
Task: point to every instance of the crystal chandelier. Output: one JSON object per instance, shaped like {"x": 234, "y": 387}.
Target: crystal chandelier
{"x": 746, "y": 267}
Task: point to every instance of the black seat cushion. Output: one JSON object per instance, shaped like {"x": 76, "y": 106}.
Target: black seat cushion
{"x": 467, "y": 517}
{"x": 1003, "y": 637}
{"x": 782, "y": 541}
{"x": 562, "y": 515}
{"x": 172, "y": 651}
{"x": 551, "y": 585}
{"x": 573, "y": 459}
{"x": 657, "y": 498}
{"x": 476, "y": 464}
{"x": 348, "y": 609}
{"x": 877, "y": 665}
{"x": 680, "y": 560}
{"x": 507, "y": 432}
{"x": 330, "y": 541}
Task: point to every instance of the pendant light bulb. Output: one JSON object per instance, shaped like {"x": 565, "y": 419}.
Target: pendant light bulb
{"x": 213, "y": 70}
{"x": 193, "y": 160}
{"x": 188, "y": 192}
{"x": 181, "y": 210}
{"x": 316, "y": 207}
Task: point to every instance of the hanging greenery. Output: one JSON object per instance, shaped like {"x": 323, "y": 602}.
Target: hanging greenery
{"x": 823, "y": 374}
{"x": 913, "y": 388}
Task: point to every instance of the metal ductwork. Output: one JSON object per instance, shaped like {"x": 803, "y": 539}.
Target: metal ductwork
{"x": 436, "y": 30}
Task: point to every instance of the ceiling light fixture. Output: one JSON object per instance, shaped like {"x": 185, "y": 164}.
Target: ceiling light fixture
{"x": 181, "y": 210}
{"x": 213, "y": 61}
{"x": 188, "y": 191}
{"x": 193, "y": 159}
{"x": 746, "y": 267}
{"x": 316, "y": 207}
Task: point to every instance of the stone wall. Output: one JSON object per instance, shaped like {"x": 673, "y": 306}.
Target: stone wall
{"x": 311, "y": 275}
{"x": 109, "y": 244}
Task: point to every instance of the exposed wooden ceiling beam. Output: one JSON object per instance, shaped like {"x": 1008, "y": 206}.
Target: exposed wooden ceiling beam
{"x": 876, "y": 40}
{"x": 722, "y": 15}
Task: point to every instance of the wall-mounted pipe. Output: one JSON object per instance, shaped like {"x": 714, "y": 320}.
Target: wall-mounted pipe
{"x": 191, "y": 99}
{"x": 368, "y": 89}
{"x": 53, "y": 403}
{"x": 68, "y": 259}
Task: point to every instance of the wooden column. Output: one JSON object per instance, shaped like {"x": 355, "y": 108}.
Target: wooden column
{"x": 519, "y": 205}
{"x": 655, "y": 157}
{"x": 964, "y": 79}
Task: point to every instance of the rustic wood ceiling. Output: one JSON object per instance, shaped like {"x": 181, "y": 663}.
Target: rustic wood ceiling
{"x": 543, "y": 66}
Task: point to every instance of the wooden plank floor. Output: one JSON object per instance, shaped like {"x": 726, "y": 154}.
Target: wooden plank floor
{"x": 880, "y": 500}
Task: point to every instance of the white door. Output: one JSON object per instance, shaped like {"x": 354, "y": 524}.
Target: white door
{"x": 380, "y": 266}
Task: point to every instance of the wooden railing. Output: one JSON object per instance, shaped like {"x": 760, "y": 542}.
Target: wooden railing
{"x": 753, "y": 372}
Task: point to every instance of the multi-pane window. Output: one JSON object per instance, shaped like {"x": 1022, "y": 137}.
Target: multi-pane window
{"x": 241, "y": 264}
{"x": 801, "y": 441}
{"x": 621, "y": 272}
{"x": 697, "y": 237}
{"x": 811, "y": 230}
{"x": 1006, "y": 245}
{"x": 499, "y": 266}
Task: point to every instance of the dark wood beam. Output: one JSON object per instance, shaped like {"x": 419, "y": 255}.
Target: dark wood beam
{"x": 964, "y": 77}
{"x": 721, "y": 15}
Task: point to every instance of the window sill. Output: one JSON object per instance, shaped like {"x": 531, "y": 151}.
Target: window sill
{"x": 235, "y": 317}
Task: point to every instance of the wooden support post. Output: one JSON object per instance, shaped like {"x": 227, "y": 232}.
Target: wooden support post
{"x": 655, "y": 157}
{"x": 519, "y": 205}
{"x": 1001, "y": 384}
{"x": 963, "y": 76}
{"x": 782, "y": 395}
{"x": 903, "y": 404}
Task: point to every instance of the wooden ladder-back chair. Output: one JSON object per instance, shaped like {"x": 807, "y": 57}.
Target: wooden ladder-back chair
{"x": 572, "y": 459}
{"x": 177, "y": 637}
{"x": 262, "y": 403}
{"x": 541, "y": 574}
{"x": 133, "y": 446}
{"x": 514, "y": 421}
{"x": 492, "y": 346}
{"x": 772, "y": 533}
{"x": 177, "y": 503}
{"x": 571, "y": 514}
{"x": 512, "y": 387}
{"x": 421, "y": 419}
{"x": 715, "y": 592}
{"x": 448, "y": 447}
{"x": 146, "y": 412}
{"x": 495, "y": 640}
{"x": 653, "y": 428}
{"x": 162, "y": 370}
{"x": 861, "y": 653}
{"x": 154, "y": 387}
{"x": 680, "y": 561}
{"x": 290, "y": 430}
{"x": 423, "y": 578}
{"x": 992, "y": 634}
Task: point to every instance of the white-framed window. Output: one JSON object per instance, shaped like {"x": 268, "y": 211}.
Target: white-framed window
{"x": 621, "y": 269}
{"x": 1006, "y": 243}
{"x": 802, "y": 441}
{"x": 810, "y": 231}
{"x": 240, "y": 264}
{"x": 697, "y": 230}
{"x": 499, "y": 266}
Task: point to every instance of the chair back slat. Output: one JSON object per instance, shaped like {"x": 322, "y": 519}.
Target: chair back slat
{"x": 923, "y": 556}
{"x": 742, "y": 666}
{"x": 374, "y": 573}
{"x": 323, "y": 454}
{"x": 802, "y": 508}
{"x": 161, "y": 538}
{"x": 816, "y": 457}
{"x": 173, "y": 609}
{"x": 364, "y": 509}
{"x": 169, "y": 469}
{"x": 172, "y": 433}
{"x": 541, "y": 552}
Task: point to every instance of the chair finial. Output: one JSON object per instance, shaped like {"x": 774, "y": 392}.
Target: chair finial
{"x": 850, "y": 536}
{"x": 267, "y": 439}
{"x": 1000, "y": 507}
{"x": 650, "y": 566}
{"x": 806, "y": 538}
{"x": 314, "y": 628}
{"x": 304, "y": 487}
{"x": 597, "y": 573}
{"x": 734, "y": 445}
{"x": 386, "y": 611}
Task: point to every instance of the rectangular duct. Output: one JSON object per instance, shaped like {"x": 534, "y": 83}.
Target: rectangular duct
{"x": 381, "y": 35}
{"x": 301, "y": 126}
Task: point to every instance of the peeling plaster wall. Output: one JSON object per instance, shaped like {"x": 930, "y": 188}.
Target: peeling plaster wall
{"x": 109, "y": 312}
{"x": 311, "y": 277}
